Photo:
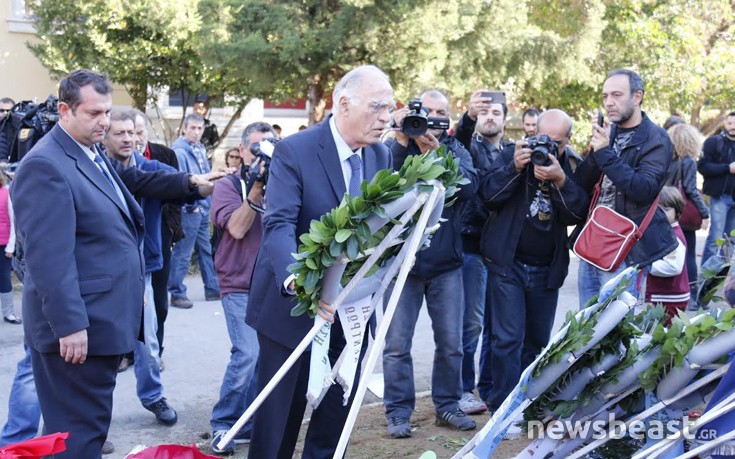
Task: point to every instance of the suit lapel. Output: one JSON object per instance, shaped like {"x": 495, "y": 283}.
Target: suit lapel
{"x": 88, "y": 168}
{"x": 329, "y": 158}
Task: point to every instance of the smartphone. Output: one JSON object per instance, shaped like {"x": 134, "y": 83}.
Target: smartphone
{"x": 497, "y": 96}
{"x": 600, "y": 119}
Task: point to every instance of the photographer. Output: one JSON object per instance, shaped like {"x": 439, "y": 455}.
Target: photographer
{"x": 525, "y": 246}
{"x": 241, "y": 231}
{"x": 437, "y": 276}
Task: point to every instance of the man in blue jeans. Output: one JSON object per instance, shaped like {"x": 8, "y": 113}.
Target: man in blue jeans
{"x": 119, "y": 144}
{"x": 241, "y": 232}
{"x": 481, "y": 131}
{"x": 717, "y": 166}
{"x": 525, "y": 246}
{"x": 194, "y": 220}
{"x": 436, "y": 276}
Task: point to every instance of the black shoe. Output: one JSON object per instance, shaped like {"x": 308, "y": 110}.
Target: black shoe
{"x": 12, "y": 319}
{"x": 181, "y": 303}
{"x": 226, "y": 450}
{"x": 399, "y": 427}
{"x": 455, "y": 419}
{"x": 108, "y": 447}
{"x": 211, "y": 296}
{"x": 124, "y": 364}
{"x": 165, "y": 415}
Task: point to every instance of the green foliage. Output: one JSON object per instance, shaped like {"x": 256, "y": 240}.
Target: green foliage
{"x": 680, "y": 337}
{"x": 138, "y": 43}
{"x": 344, "y": 230}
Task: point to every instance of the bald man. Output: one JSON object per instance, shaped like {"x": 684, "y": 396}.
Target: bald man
{"x": 525, "y": 246}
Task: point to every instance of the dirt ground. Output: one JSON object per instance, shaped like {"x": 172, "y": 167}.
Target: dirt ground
{"x": 370, "y": 440}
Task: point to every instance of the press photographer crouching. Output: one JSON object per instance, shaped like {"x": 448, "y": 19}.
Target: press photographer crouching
{"x": 437, "y": 276}
{"x": 525, "y": 245}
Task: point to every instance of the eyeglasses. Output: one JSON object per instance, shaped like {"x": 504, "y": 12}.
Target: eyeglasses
{"x": 4, "y": 110}
{"x": 378, "y": 107}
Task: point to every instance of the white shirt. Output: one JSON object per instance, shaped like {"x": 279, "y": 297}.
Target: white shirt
{"x": 344, "y": 153}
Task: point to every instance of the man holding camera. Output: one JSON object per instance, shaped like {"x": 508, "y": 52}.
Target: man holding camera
{"x": 633, "y": 156}
{"x": 481, "y": 130}
{"x": 525, "y": 245}
{"x": 234, "y": 259}
{"x": 437, "y": 276}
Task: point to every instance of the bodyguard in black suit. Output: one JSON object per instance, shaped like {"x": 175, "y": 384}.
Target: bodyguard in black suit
{"x": 309, "y": 175}
{"x": 82, "y": 233}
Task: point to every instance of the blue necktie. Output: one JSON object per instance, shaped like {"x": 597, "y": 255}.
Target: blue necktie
{"x": 355, "y": 180}
{"x": 103, "y": 168}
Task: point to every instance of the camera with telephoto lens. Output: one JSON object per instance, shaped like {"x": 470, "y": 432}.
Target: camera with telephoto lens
{"x": 541, "y": 147}
{"x": 417, "y": 122}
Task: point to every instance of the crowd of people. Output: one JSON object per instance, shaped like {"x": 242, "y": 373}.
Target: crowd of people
{"x": 490, "y": 277}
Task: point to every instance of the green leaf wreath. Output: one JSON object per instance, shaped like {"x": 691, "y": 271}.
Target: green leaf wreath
{"x": 344, "y": 228}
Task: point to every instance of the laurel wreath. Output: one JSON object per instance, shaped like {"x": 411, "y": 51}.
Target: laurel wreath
{"x": 344, "y": 230}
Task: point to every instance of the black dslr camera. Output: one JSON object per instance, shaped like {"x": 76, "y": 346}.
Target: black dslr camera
{"x": 263, "y": 152}
{"x": 541, "y": 147}
{"x": 417, "y": 122}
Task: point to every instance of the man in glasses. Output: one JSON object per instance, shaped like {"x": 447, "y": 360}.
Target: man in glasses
{"x": 6, "y": 103}
{"x": 309, "y": 175}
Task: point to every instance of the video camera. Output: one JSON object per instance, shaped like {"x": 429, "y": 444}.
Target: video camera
{"x": 26, "y": 123}
{"x": 417, "y": 122}
{"x": 541, "y": 147}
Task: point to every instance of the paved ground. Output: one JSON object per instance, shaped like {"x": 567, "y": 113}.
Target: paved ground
{"x": 196, "y": 353}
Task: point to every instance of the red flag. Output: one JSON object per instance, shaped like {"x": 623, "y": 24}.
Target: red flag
{"x": 35, "y": 448}
{"x": 171, "y": 452}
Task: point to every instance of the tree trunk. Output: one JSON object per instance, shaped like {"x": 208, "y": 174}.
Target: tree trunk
{"x": 315, "y": 97}
{"x": 235, "y": 116}
{"x": 138, "y": 91}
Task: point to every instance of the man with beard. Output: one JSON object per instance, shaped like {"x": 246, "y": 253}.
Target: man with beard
{"x": 437, "y": 277}
{"x": 717, "y": 166}
{"x": 481, "y": 130}
{"x": 632, "y": 156}
{"x": 530, "y": 119}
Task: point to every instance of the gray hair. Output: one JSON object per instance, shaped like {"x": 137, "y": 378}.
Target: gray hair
{"x": 564, "y": 116}
{"x": 258, "y": 126}
{"x": 352, "y": 79}
{"x": 134, "y": 112}
{"x": 192, "y": 117}
{"x": 635, "y": 80}
{"x": 434, "y": 94}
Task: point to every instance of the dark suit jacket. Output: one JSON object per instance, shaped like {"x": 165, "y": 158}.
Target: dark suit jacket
{"x": 305, "y": 182}
{"x": 171, "y": 211}
{"x": 83, "y": 251}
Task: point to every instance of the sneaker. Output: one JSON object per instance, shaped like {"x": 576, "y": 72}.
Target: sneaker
{"x": 399, "y": 427}
{"x": 165, "y": 415}
{"x": 12, "y": 319}
{"x": 108, "y": 447}
{"x": 455, "y": 419}
{"x": 211, "y": 296}
{"x": 181, "y": 303}
{"x": 470, "y": 405}
{"x": 227, "y": 450}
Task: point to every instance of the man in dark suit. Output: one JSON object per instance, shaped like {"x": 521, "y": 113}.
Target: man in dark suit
{"x": 309, "y": 175}
{"x": 82, "y": 233}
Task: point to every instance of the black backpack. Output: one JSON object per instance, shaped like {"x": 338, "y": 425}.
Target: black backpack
{"x": 218, "y": 232}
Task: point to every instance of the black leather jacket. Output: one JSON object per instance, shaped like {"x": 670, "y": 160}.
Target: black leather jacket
{"x": 638, "y": 174}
